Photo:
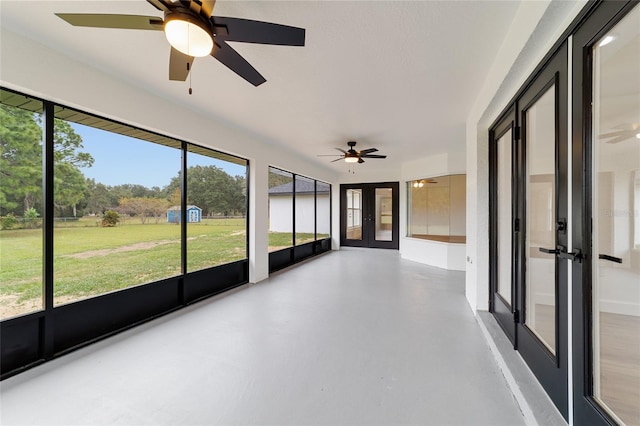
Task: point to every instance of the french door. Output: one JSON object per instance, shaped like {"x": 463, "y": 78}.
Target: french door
{"x": 606, "y": 207}
{"x": 529, "y": 223}
{"x": 543, "y": 257}
{"x": 369, "y": 215}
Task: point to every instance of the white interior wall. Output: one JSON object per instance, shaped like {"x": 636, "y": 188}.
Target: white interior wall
{"x": 434, "y": 253}
{"x": 33, "y": 69}
{"x": 458, "y": 193}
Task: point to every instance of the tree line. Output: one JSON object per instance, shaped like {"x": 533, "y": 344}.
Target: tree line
{"x": 208, "y": 187}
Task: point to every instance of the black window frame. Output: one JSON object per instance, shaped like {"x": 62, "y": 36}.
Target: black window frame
{"x": 289, "y": 256}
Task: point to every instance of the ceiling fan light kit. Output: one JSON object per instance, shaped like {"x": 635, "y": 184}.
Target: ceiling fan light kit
{"x": 188, "y": 34}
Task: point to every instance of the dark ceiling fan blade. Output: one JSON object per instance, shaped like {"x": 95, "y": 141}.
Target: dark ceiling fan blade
{"x": 360, "y": 161}
{"x": 329, "y": 155}
{"x": 179, "y": 65}
{"x": 248, "y": 31}
{"x": 236, "y": 63}
{"x": 337, "y": 159}
{"x": 373, "y": 156}
{"x": 162, "y": 5}
{"x": 341, "y": 150}
{"x": 368, "y": 151}
{"x": 128, "y": 22}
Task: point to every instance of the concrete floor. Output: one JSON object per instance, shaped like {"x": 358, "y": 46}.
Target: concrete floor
{"x": 358, "y": 336}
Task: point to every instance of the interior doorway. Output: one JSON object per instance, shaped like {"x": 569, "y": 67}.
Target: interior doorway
{"x": 369, "y": 215}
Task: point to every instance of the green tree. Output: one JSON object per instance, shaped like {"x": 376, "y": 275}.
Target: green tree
{"x": 156, "y": 208}
{"x": 99, "y": 197}
{"x": 69, "y": 182}
{"x": 69, "y": 187}
{"x": 144, "y": 207}
{"x": 20, "y": 160}
{"x": 239, "y": 195}
{"x": 175, "y": 197}
{"x": 277, "y": 178}
{"x": 213, "y": 190}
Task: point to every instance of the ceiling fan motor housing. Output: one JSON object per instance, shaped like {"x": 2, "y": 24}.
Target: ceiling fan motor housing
{"x": 185, "y": 14}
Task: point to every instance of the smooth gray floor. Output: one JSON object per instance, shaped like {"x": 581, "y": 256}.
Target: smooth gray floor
{"x": 352, "y": 337}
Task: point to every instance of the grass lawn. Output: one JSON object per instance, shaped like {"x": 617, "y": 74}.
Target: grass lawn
{"x": 281, "y": 240}
{"x": 91, "y": 260}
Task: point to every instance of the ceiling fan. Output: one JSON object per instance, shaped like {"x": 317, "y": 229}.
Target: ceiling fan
{"x": 353, "y": 156}
{"x": 193, "y": 32}
{"x": 627, "y": 131}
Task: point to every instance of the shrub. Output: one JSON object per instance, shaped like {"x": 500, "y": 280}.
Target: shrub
{"x": 110, "y": 219}
{"x": 31, "y": 218}
{"x": 9, "y": 221}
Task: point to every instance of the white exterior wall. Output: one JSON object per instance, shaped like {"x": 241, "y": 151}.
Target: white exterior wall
{"x": 281, "y": 217}
{"x": 324, "y": 214}
{"x": 281, "y": 213}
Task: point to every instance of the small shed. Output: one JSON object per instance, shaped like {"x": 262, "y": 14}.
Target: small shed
{"x": 194, "y": 214}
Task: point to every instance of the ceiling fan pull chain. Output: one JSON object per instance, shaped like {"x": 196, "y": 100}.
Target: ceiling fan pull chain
{"x": 188, "y": 66}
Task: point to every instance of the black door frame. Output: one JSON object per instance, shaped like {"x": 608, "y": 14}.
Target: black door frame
{"x": 606, "y": 15}
{"x": 368, "y": 215}
{"x": 503, "y": 310}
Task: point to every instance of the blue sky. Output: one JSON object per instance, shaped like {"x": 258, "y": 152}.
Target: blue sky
{"x": 121, "y": 159}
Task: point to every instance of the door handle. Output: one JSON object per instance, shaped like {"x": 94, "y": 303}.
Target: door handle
{"x": 561, "y": 252}
{"x": 549, "y": 251}
{"x": 574, "y": 256}
{"x": 610, "y": 258}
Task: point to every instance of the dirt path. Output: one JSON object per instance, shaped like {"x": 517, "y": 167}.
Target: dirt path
{"x": 133, "y": 247}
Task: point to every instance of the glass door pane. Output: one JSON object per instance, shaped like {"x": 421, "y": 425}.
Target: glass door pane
{"x": 305, "y": 210}
{"x": 323, "y": 210}
{"x": 384, "y": 214}
{"x": 280, "y": 209}
{"x": 354, "y": 214}
{"x": 540, "y": 292}
{"x": 504, "y": 220}
{"x": 616, "y": 220}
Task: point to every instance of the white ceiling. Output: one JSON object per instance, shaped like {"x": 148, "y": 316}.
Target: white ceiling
{"x": 399, "y": 76}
